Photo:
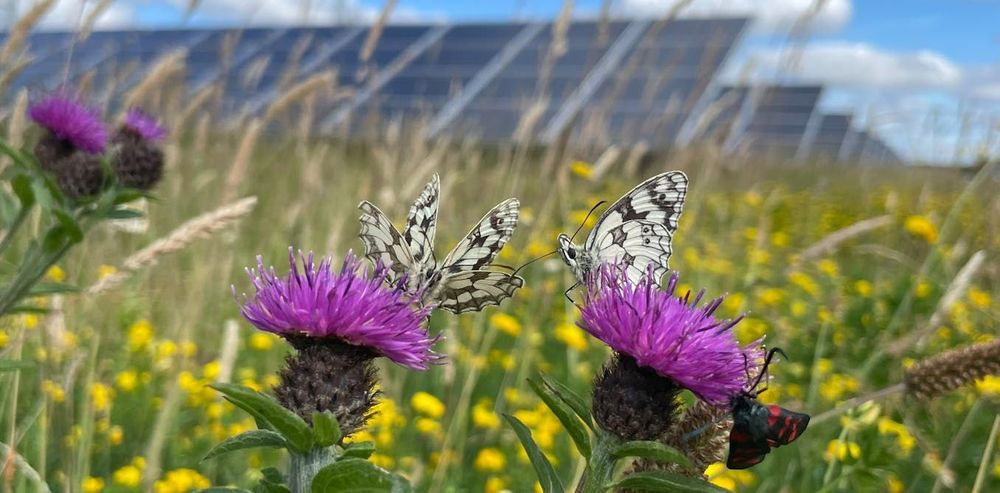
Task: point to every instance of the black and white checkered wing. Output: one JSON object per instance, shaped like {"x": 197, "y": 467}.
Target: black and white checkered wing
{"x": 383, "y": 243}
{"x": 638, "y": 229}
{"x": 478, "y": 249}
{"x": 421, "y": 224}
{"x": 472, "y": 290}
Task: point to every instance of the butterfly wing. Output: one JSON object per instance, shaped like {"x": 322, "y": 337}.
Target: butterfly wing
{"x": 472, "y": 290}
{"x": 744, "y": 452}
{"x": 478, "y": 249}
{"x": 784, "y": 426}
{"x": 637, "y": 230}
{"x": 383, "y": 243}
{"x": 421, "y": 224}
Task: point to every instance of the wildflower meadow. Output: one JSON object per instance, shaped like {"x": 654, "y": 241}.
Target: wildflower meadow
{"x": 195, "y": 307}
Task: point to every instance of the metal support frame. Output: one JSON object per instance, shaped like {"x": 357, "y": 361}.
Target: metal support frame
{"x": 483, "y": 77}
{"x": 433, "y": 35}
{"x": 610, "y": 61}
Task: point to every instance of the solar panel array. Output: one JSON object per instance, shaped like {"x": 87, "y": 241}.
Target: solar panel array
{"x": 595, "y": 82}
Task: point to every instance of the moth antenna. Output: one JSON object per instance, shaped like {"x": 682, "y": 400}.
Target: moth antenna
{"x": 767, "y": 362}
{"x": 553, "y": 252}
{"x": 592, "y": 209}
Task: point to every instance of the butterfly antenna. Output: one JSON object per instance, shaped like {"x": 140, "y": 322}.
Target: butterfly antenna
{"x": 592, "y": 209}
{"x": 553, "y": 252}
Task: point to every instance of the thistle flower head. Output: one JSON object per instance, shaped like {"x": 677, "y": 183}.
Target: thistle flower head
{"x": 71, "y": 121}
{"x": 144, "y": 125}
{"x": 668, "y": 334}
{"x": 353, "y": 306}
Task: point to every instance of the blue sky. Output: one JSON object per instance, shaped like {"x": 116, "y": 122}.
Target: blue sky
{"x": 913, "y": 70}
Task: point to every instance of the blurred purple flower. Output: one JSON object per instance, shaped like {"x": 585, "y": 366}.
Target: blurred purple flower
{"x": 669, "y": 334}
{"x": 144, "y": 126}
{"x": 70, "y": 120}
{"x": 354, "y": 306}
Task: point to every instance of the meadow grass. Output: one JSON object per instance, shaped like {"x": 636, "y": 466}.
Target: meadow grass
{"x": 837, "y": 264}
{"x": 117, "y": 395}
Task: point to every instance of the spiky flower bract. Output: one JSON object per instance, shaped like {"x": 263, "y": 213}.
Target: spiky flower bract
{"x": 139, "y": 160}
{"x": 668, "y": 334}
{"x": 144, "y": 125}
{"x": 70, "y": 121}
{"x": 354, "y": 306}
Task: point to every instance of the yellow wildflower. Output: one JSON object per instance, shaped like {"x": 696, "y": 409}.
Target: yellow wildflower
{"x": 581, "y": 169}
{"x": 490, "y": 459}
{"x": 770, "y": 296}
{"x": 181, "y": 481}
{"x": 990, "y": 384}
{"x": 115, "y": 435}
{"x": 572, "y": 336}
{"x": 729, "y": 479}
{"x": 4, "y": 339}
{"x": 188, "y": 349}
{"x": 842, "y": 450}
{"x": 140, "y": 335}
{"x": 126, "y": 380}
{"x": 923, "y": 289}
{"x": 53, "y": 390}
{"x": 56, "y": 274}
{"x": 804, "y": 282}
{"x": 483, "y": 415}
{"x": 428, "y": 426}
{"x": 101, "y": 396}
{"x": 979, "y": 298}
{"x": 30, "y": 321}
{"x": 506, "y": 324}
{"x": 427, "y": 404}
{"x": 905, "y": 440}
{"x": 129, "y": 476}
{"x": 863, "y": 287}
{"x": 260, "y": 341}
{"x": 383, "y": 461}
{"x": 106, "y": 270}
{"x": 494, "y": 485}
{"x": 92, "y": 485}
{"x": 828, "y": 267}
{"x": 921, "y": 227}
{"x": 837, "y": 386}
{"x": 753, "y": 199}
{"x": 211, "y": 370}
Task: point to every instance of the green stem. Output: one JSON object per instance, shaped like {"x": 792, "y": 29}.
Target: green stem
{"x": 601, "y": 468}
{"x": 22, "y": 214}
{"x": 303, "y": 468}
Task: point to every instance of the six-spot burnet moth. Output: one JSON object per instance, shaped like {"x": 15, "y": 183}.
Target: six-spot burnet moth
{"x": 757, "y": 428}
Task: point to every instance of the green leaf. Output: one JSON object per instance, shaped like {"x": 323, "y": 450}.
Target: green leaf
{"x": 21, "y": 184}
{"x": 55, "y": 239}
{"x": 270, "y": 487}
{"x": 326, "y": 430}
{"x": 288, "y": 424}
{"x": 566, "y": 416}
{"x": 358, "y": 476}
{"x": 651, "y": 450}
{"x": 69, "y": 224}
{"x": 245, "y": 440}
{"x": 543, "y": 468}
{"x": 13, "y": 365}
{"x": 273, "y": 475}
{"x": 44, "y": 288}
{"x": 37, "y": 310}
{"x": 127, "y": 195}
{"x": 361, "y": 450}
{"x": 224, "y": 489}
{"x": 571, "y": 398}
{"x": 664, "y": 481}
{"x": 124, "y": 213}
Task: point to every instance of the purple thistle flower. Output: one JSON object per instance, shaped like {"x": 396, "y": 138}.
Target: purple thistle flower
{"x": 667, "y": 333}
{"x": 144, "y": 126}
{"x": 354, "y": 306}
{"x": 70, "y": 120}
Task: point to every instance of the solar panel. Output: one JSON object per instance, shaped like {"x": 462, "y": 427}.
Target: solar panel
{"x": 780, "y": 119}
{"x": 830, "y": 137}
{"x": 661, "y": 82}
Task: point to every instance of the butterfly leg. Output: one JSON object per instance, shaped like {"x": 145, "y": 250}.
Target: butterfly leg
{"x": 566, "y": 293}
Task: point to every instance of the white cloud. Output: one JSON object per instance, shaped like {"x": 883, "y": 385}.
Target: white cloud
{"x": 860, "y": 65}
{"x": 769, "y": 15}
{"x": 285, "y": 12}
{"x": 70, "y": 14}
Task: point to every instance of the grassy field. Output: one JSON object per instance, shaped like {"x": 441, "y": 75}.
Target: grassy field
{"x": 118, "y": 399}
